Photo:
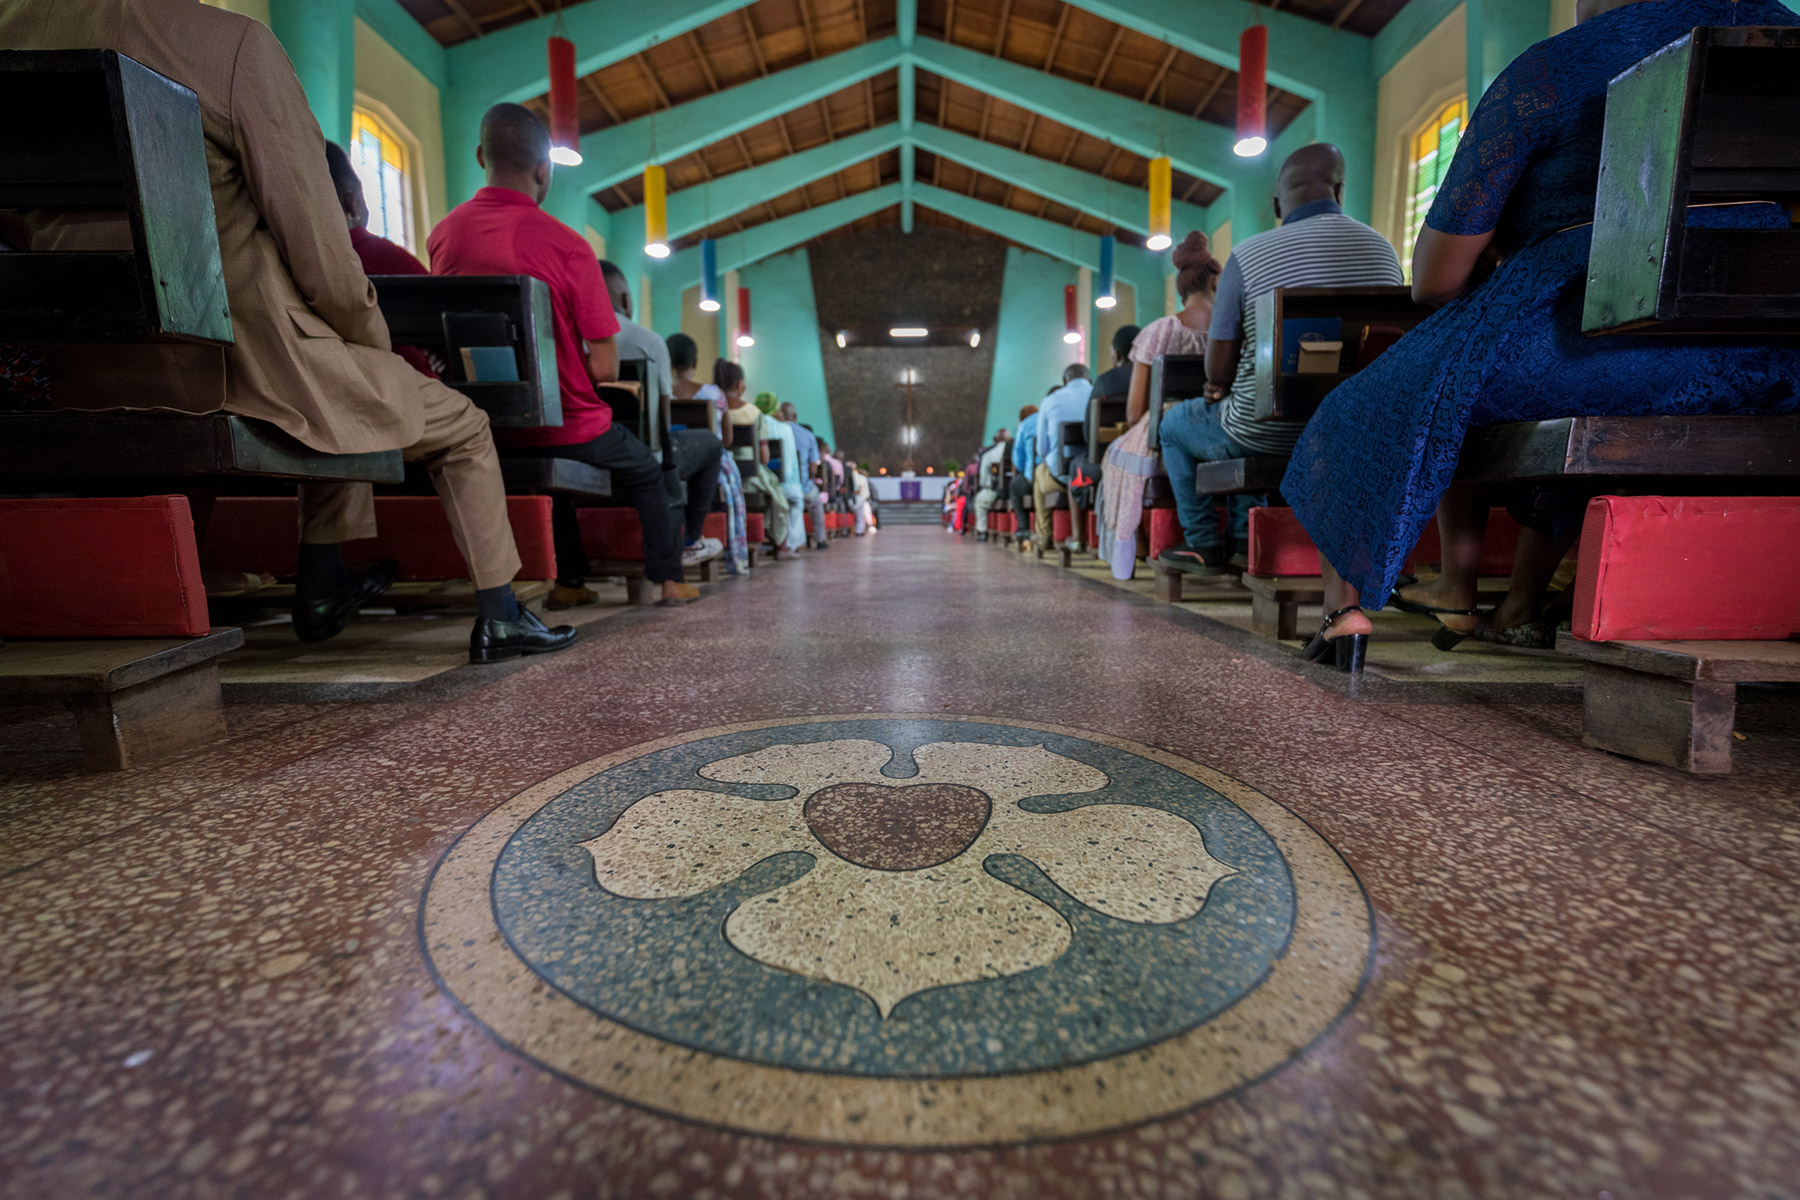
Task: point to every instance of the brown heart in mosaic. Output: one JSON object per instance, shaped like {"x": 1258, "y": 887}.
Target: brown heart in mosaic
{"x": 900, "y": 827}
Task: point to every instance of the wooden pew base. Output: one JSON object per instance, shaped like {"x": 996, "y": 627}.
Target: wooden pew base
{"x": 134, "y": 701}
{"x": 1275, "y": 601}
{"x": 1672, "y": 703}
{"x": 1172, "y": 582}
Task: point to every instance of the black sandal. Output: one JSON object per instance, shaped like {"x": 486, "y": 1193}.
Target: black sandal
{"x": 1347, "y": 651}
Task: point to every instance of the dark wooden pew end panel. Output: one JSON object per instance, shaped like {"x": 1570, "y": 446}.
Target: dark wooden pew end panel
{"x": 135, "y": 701}
{"x": 1673, "y": 703}
{"x": 113, "y": 449}
{"x": 124, "y": 140}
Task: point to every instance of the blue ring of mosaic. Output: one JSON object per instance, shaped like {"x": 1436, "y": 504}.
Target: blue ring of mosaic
{"x": 1104, "y": 919}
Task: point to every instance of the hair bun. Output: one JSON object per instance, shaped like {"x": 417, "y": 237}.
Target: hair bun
{"x": 1195, "y": 251}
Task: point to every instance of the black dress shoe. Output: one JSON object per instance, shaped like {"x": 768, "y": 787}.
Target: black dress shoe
{"x": 316, "y": 620}
{"x": 494, "y": 641}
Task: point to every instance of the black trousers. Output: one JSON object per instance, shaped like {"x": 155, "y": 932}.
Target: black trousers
{"x": 636, "y": 473}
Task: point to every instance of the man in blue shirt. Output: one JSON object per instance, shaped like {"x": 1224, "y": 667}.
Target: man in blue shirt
{"x": 1068, "y": 403}
{"x": 1024, "y": 463}
{"x": 806, "y": 450}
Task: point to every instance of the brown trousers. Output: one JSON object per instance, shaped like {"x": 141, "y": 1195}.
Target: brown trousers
{"x": 458, "y": 449}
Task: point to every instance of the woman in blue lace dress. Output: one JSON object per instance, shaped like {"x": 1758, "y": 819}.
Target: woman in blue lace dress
{"x": 1379, "y": 455}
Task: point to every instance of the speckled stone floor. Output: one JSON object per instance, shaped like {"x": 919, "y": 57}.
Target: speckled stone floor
{"x": 909, "y": 870}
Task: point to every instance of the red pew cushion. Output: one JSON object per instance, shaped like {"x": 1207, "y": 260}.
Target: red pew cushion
{"x": 123, "y": 567}
{"x": 1165, "y": 531}
{"x": 1662, "y": 568}
{"x": 1279, "y": 546}
{"x": 258, "y": 533}
{"x": 612, "y": 534}
{"x": 755, "y": 531}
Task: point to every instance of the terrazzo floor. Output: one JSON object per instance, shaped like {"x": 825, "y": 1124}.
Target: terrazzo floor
{"x": 913, "y": 869}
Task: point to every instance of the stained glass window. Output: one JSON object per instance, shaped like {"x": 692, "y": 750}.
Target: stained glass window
{"x": 1433, "y": 146}
{"x": 380, "y": 161}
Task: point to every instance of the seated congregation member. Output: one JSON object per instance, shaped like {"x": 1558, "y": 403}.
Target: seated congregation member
{"x": 1024, "y": 461}
{"x": 806, "y": 446}
{"x": 1115, "y": 382}
{"x": 1378, "y": 456}
{"x": 987, "y": 477}
{"x": 310, "y": 351}
{"x": 783, "y": 459}
{"x": 1129, "y": 460}
{"x": 1064, "y": 404}
{"x": 752, "y": 460}
{"x": 1316, "y": 245}
{"x": 502, "y": 231}
{"x": 696, "y": 452}
{"x": 378, "y": 255}
{"x": 684, "y": 358}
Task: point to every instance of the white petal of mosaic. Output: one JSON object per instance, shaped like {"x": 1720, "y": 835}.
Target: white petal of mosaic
{"x": 892, "y": 934}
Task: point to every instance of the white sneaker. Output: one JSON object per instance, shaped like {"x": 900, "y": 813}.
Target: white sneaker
{"x": 704, "y": 550}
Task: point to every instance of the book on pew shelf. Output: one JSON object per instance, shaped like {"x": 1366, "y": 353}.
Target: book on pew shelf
{"x": 490, "y": 364}
{"x": 1375, "y": 342}
{"x": 1296, "y": 329}
{"x": 483, "y": 343}
{"x": 1318, "y": 356}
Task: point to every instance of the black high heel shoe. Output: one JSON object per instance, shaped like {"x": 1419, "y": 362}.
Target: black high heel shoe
{"x": 1348, "y": 651}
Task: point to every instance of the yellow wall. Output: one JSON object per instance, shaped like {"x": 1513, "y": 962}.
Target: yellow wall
{"x": 404, "y": 97}
{"x": 1433, "y": 73}
{"x": 703, "y": 327}
{"x": 1562, "y": 15}
{"x": 250, "y": 8}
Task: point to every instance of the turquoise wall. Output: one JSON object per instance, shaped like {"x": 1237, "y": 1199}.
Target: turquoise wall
{"x": 1029, "y": 354}
{"x": 320, "y": 39}
{"x": 785, "y": 321}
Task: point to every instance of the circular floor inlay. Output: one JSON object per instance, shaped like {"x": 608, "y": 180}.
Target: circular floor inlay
{"x": 897, "y": 828}
{"x": 900, "y": 930}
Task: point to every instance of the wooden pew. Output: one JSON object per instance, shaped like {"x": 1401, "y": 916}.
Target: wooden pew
{"x": 453, "y": 316}
{"x": 1368, "y": 320}
{"x": 1708, "y": 119}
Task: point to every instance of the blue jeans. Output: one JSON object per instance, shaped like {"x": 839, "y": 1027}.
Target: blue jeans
{"x": 1191, "y": 433}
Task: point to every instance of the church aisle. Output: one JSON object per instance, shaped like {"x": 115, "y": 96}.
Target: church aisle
{"x": 909, "y": 869}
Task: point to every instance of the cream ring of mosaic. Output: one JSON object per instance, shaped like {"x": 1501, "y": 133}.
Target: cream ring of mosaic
{"x": 876, "y": 1061}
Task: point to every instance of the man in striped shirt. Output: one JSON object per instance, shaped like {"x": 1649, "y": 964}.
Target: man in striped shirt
{"x": 1316, "y": 245}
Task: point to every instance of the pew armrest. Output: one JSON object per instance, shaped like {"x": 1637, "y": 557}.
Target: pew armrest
{"x": 84, "y": 445}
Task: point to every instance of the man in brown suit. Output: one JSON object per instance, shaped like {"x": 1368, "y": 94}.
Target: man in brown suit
{"x": 311, "y": 353}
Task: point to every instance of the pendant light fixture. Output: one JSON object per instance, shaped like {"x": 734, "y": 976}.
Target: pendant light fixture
{"x": 656, "y": 211}
{"x": 565, "y": 110}
{"x": 709, "y": 276}
{"x": 1105, "y": 296}
{"x": 1253, "y": 89}
{"x": 1161, "y": 204}
{"x": 1071, "y": 316}
{"x": 743, "y": 329}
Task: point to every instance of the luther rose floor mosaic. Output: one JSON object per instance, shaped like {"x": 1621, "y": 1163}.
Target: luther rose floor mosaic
{"x": 895, "y": 931}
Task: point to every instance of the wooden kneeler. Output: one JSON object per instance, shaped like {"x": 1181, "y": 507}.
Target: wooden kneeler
{"x": 135, "y": 701}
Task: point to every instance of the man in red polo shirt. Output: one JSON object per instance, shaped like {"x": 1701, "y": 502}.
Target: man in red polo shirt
{"x": 502, "y": 231}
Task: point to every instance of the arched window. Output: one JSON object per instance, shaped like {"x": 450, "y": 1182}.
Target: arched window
{"x": 1433, "y": 146}
{"x": 380, "y": 158}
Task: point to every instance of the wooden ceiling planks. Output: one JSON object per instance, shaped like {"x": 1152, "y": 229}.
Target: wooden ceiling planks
{"x": 768, "y": 36}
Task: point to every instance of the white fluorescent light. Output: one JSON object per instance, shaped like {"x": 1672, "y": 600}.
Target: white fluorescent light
{"x": 1250, "y": 147}
{"x": 744, "y": 339}
{"x": 908, "y": 331}
{"x": 842, "y": 340}
{"x": 1072, "y": 337}
{"x": 1158, "y": 241}
{"x": 1104, "y": 301}
{"x": 709, "y": 306}
{"x": 975, "y": 339}
{"x": 565, "y": 156}
{"x": 657, "y": 250}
